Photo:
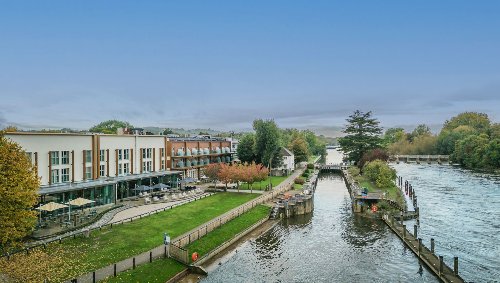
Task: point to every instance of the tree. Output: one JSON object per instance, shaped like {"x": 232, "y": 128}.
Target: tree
{"x": 380, "y": 172}
{"x": 18, "y": 186}
{"x": 362, "y": 135}
{"x": 389, "y": 136}
{"x": 262, "y": 173}
{"x": 267, "y": 141}
{"x": 376, "y": 154}
{"x": 421, "y": 130}
{"x": 168, "y": 131}
{"x": 225, "y": 174}
{"x": 11, "y": 129}
{"x": 300, "y": 150}
{"x": 245, "y": 148}
{"x": 110, "y": 127}
{"x": 478, "y": 121}
{"x": 212, "y": 171}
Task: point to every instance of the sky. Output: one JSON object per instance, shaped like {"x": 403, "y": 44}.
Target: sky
{"x": 223, "y": 64}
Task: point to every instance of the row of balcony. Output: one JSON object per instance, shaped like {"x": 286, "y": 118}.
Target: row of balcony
{"x": 205, "y": 151}
{"x": 202, "y": 162}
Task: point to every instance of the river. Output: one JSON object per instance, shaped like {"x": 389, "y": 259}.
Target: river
{"x": 329, "y": 245}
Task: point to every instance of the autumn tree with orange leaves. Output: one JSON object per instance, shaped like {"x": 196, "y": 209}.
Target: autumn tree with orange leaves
{"x": 18, "y": 185}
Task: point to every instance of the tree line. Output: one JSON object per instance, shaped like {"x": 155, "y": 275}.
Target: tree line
{"x": 264, "y": 146}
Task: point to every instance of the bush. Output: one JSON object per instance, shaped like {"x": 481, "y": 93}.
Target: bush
{"x": 383, "y": 206}
{"x": 380, "y": 173}
{"x": 373, "y": 155}
{"x": 305, "y": 174}
{"x": 300, "y": 181}
{"x": 310, "y": 166}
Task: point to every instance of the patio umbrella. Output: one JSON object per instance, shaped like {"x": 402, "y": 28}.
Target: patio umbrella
{"x": 51, "y": 206}
{"x": 161, "y": 186}
{"x": 142, "y": 188}
{"x": 77, "y": 202}
{"x": 185, "y": 181}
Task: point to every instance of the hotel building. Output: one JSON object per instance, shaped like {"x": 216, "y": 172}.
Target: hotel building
{"x": 106, "y": 168}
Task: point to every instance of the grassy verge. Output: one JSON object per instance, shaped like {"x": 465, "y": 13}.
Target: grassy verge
{"x": 158, "y": 271}
{"x": 220, "y": 235}
{"x": 256, "y": 186}
{"x": 297, "y": 186}
{"x": 110, "y": 245}
{"x": 360, "y": 179}
{"x": 311, "y": 160}
{"x": 164, "y": 269}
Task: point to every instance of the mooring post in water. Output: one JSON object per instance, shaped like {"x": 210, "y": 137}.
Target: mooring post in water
{"x": 440, "y": 265}
{"x": 432, "y": 245}
{"x": 455, "y": 266}
{"x": 404, "y": 232}
{"x": 392, "y": 220}
{"x": 401, "y": 218}
{"x": 415, "y": 231}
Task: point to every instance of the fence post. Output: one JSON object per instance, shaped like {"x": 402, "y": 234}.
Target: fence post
{"x": 404, "y": 232}
{"x": 189, "y": 238}
{"x": 415, "y": 231}
{"x": 93, "y": 277}
{"x": 455, "y": 266}
{"x": 440, "y": 265}
{"x": 432, "y": 245}
{"x": 133, "y": 263}
{"x": 150, "y": 256}
{"x": 419, "y": 246}
{"x": 114, "y": 270}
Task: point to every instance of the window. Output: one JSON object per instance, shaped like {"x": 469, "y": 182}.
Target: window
{"x": 88, "y": 156}
{"x": 65, "y": 175}
{"x": 88, "y": 173}
{"x": 126, "y": 154}
{"x": 120, "y": 169}
{"x": 163, "y": 165}
{"x": 125, "y": 168}
{"x": 54, "y": 157}
{"x": 148, "y": 151}
{"x": 101, "y": 155}
{"x": 55, "y": 176}
{"x": 29, "y": 154}
{"x": 143, "y": 153}
{"x": 146, "y": 166}
{"x": 64, "y": 157}
{"x": 162, "y": 152}
{"x": 101, "y": 170}
{"x": 120, "y": 156}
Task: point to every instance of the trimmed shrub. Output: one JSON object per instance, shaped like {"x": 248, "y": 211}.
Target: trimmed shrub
{"x": 310, "y": 166}
{"x": 380, "y": 173}
{"x": 305, "y": 174}
{"x": 300, "y": 181}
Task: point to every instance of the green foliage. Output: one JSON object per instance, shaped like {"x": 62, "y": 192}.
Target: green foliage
{"x": 477, "y": 151}
{"x": 169, "y": 131}
{"x": 447, "y": 139}
{"x": 379, "y": 172}
{"x": 390, "y": 135}
{"x": 478, "y": 121}
{"x": 300, "y": 150}
{"x": 373, "y": 155}
{"x": 110, "y": 127}
{"x": 18, "y": 186}
{"x": 267, "y": 143}
{"x": 300, "y": 181}
{"x": 421, "y": 130}
{"x": 245, "y": 148}
{"x": 362, "y": 135}
{"x": 305, "y": 174}
{"x": 310, "y": 166}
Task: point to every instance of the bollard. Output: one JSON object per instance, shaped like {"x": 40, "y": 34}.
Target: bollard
{"x": 59, "y": 240}
{"x": 165, "y": 251}
{"x": 415, "y": 231}
{"x": 150, "y": 256}
{"x": 100, "y": 227}
{"x": 93, "y": 277}
{"x": 402, "y": 218}
{"x": 404, "y": 232}
{"x": 432, "y": 245}
{"x": 455, "y": 266}
{"x": 392, "y": 220}
{"x": 133, "y": 263}
{"x": 27, "y": 251}
{"x": 111, "y": 225}
{"x": 8, "y": 256}
{"x": 440, "y": 265}
{"x": 114, "y": 270}
{"x": 190, "y": 238}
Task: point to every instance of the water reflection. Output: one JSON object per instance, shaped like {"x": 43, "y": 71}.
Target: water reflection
{"x": 329, "y": 245}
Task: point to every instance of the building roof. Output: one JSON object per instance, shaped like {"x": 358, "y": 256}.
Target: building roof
{"x": 286, "y": 152}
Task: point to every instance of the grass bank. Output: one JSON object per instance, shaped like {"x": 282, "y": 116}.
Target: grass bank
{"x": 82, "y": 255}
{"x": 256, "y": 186}
{"x": 311, "y": 160}
{"x": 164, "y": 269}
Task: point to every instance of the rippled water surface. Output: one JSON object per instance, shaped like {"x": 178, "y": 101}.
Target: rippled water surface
{"x": 329, "y": 245}
{"x": 460, "y": 209}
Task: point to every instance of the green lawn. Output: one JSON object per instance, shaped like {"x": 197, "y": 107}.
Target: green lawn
{"x": 220, "y": 235}
{"x": 157, "y": 271}
{"x": 297, "y": 186}
{"x": 123, "y": 241}
{"x": 311, "y": 160}
{"x": 256, "y": 186}
{"x": 164, "y": 269}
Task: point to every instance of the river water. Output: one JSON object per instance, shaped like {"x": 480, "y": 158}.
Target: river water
{"x": 333, "y": 245}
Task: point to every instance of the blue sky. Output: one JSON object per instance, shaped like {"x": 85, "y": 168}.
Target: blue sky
{"x": 221, "y": 64}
